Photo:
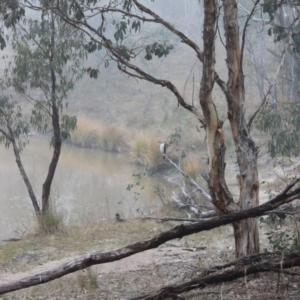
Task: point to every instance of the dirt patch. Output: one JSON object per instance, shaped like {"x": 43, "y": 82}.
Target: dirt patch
{"x": 175, "y": 262}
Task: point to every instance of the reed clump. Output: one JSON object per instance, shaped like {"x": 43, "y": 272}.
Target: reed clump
{"x": 91, "y": 134}
{"x": 87, "y": 133}
{"x": 113, "y": 139}
{"x": 51, "y": 222}
{"x": 139, "y": 149}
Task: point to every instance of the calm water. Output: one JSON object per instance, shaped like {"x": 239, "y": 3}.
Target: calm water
{"x": 89, "y": 185}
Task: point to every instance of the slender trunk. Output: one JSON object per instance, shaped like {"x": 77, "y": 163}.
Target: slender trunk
{"x": 214, "y": 133}
{"x": 55, "y": 157}
{"x": 23, "y": 173}
{"x": 56, "y": 130}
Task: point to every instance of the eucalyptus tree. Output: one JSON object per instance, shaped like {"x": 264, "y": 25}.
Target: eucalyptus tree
{"x": 111, "y": 24}
{"x": 47, "y": 63}
{"x": 281, "y": 117}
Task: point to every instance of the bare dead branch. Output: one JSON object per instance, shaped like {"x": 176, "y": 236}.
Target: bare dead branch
{"x": 193, "y": 182}
{"x": 171, "y": 219}
{"x": 271, "y": 262}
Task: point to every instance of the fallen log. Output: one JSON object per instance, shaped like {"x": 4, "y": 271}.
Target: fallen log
{"x": 25, "y": 281}
{"x": 249, "y": 265}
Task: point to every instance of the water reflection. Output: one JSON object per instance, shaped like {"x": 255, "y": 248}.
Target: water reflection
{"x": 89, "y": 185}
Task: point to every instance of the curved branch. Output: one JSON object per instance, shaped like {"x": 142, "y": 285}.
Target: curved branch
{"x": 244, "y": 33}
{"x": 181, "y": 35}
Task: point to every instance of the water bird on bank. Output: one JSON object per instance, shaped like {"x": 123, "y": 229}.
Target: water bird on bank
{"x": 163, "y": 148}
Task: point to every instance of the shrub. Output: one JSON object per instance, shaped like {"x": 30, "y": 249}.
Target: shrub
{"x": 139, "y": 149}
{"x": 87, "y": 134}
{"x": 87, "y": 279}
{"x": 112, "y": 139}
{"x": 51, "y": 222}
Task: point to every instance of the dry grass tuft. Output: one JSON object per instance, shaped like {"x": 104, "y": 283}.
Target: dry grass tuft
{"x": 139, "y": 149}
{"x": 113, "y": 139}
{"x": 87, "y": 279}
{"x": 51, "y": 222}
{"x": 87, "y": 133}
{"x": 144, "y": 151}
{"x": 92, "y": 134}
{"x": 191, "y": 165}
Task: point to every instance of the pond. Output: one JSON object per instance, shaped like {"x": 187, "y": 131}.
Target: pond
{"x": 90, "y": 185}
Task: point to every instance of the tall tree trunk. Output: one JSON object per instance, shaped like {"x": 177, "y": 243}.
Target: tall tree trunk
{"x": 23, "y": 173}
{"x": 56, "y": 129}
{"x": 55, "y": 157}
{"x": 246, "y": 232}
{"x": 214, "y": 133}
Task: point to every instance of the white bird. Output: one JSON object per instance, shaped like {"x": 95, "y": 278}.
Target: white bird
{"x": 163, "y": 148}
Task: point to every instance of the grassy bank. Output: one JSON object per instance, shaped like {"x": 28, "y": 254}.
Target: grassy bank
{"x": 142, "y": 146}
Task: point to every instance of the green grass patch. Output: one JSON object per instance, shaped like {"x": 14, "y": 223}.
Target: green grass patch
{"x": 51, "y": 222}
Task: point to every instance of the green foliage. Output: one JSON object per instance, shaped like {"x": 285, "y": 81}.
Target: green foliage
{"x": 282, "y": 32}
{"x": 10, "y": 13}
{"x": 127, "y": 5}
{"x": 286, "y": 240}
{"x": 121, "y": 31}
{"x": 12, "y": 123}
{"x": 283, "y": 125}
{"x": 158, "y": 50}
{"x": 2, "y": 42}
{"x": 51, "y": 222}
{"x": 270, "y": 7}
{"x": 90, "y": 47}
{"x": 136, "y": 25}
{"x": 49, "y": 55}
{"x": 93, "y": 73}
{"x": 40, "y": 118}
{"x": 68, "y": 125}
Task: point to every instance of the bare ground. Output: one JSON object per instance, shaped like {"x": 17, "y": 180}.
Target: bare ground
{"x": 174, "y": 262}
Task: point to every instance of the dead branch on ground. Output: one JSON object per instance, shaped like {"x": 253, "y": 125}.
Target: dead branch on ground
{"x": 251, "y": 264}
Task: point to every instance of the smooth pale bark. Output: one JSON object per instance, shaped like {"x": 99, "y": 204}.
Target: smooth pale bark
{"x": 246, "y": 232}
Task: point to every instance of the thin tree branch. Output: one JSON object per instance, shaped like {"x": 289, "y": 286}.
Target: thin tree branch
{"x": 264, "y": 101}
{"x": 181, "y": 35}
{"x": 244, "y": 33}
